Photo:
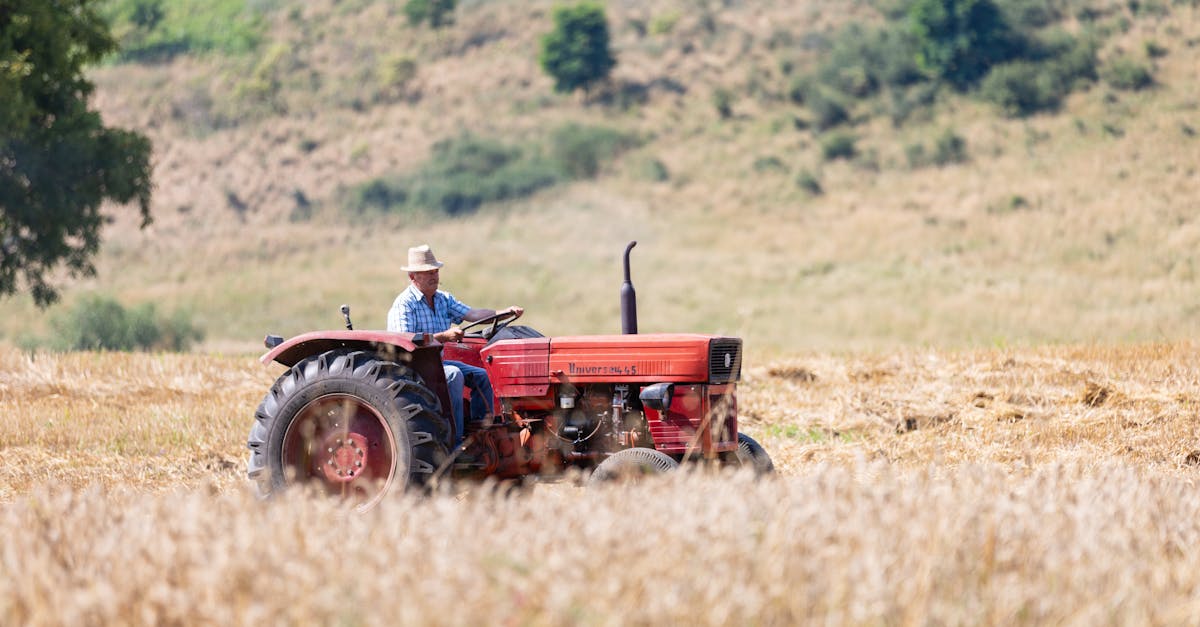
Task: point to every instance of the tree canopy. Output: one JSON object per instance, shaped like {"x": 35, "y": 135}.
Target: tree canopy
{"x": 58, "y": 162}
{"x": 576, "y": 53}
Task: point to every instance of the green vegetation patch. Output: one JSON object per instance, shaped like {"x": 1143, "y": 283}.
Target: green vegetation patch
{"x": 154, "y": 30}
{"x": 1011, "y": 53}
{"x": 102, "y": 323}
{"x": 468, "y": 171}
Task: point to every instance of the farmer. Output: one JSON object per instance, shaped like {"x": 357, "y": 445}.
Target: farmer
{"x": 423, "y": 308}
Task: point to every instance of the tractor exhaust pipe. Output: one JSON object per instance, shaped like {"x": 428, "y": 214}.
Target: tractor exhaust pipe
{"x": 628, "y": 299}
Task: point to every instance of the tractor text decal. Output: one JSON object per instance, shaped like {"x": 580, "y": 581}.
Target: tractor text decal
{"x": 628, "y": 369}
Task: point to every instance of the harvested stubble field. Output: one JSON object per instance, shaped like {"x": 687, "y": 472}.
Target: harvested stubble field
{"x": 1017, "y": 486}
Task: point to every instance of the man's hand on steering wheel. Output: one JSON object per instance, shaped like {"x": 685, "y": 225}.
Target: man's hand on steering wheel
{"x": 499, "y": 320}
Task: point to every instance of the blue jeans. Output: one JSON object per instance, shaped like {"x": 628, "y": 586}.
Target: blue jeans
{"x": 475, "y": 378}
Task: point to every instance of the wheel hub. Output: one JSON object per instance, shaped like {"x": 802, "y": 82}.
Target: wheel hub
{"x": 343, "y": 457}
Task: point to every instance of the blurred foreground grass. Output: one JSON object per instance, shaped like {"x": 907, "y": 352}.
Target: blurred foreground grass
{"x": 1034, "y": 486}
{"x": 862, "y": 545}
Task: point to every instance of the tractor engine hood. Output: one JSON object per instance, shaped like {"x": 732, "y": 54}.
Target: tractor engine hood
{"x": 636, "y": 359}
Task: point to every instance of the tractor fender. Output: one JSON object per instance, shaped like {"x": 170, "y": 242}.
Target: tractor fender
{"x": 397, "y": 346}
{"x": 418, "y": 350}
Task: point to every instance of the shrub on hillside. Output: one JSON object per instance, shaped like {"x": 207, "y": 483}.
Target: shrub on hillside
{"x": 396, "y": 74}
{"x": 1055, "y": 65}
{"x": 102, "y": 323}
{"x": 809, "y": 182}
{"x": 722, "y": 101}
{"x": 1126, "y": 73}
{"x": 650, "y": 169}
{"x": 1021, "y": 88}
{"x": 916, "y": 100}
{"x": 1025, "y": 15}
{"x": 949, "y": 148}
{"x": 437, "y": 13}
{"x": 857, "y": 64}
{"x": 839, "y": 145}
{"x": 581, "y": 150}
{"x": 958, "y": 41}
{"x": 466, "y": 172}
{"x": 1072, "y": 59}
{"x": 860, "y": 61}
{"x": 829, "y": 108}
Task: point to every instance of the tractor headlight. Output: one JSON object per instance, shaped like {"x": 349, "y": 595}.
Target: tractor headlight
{"x": 657, "y": 396}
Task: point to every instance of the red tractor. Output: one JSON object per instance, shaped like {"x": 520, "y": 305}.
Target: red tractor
{"x": 364, "y": 413}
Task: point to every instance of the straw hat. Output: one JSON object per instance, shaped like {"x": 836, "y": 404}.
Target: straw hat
{"x": 421, "y": 259}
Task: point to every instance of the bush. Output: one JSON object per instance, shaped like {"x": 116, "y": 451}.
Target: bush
{"x": 1032, "y": 14}
{"x": 915, "y": 155}
{"x": 949, "y": 148}
{"x": 1127, "y": 74}
{"x": 1022, "y": 88}
{"x": 722, "y": 100}
{"x": 101, "y": 323}
{"x": 960, "y": 40}
{"x": 651, "y": 169}
{"x": 809, "y": 182}
{"x": 1073, "y": 60}
{"x": 664, "y": 24}
{"x": 859, "y": 62}
{"x": 769, "y": 163}
{"x": 468, "y": 171}
{"x": 437, "y": 13}
{"x": 827, "y": 106}
{"x": 396, "y": 73}
{"x": 1154, "y": 50}
{"x": 839, "y": 145}
{"x": 581, "y": 150}
{"x": 904, "y": 103}
{"x": 379, "y": 195}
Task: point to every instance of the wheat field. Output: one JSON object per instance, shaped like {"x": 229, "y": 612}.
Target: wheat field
{"x": 1006, "y": 486}
{"x": 1039, "y": 466}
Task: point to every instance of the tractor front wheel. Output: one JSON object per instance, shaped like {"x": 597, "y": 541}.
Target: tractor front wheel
{"x": 632, "y": 465}
{"x": 751, "y": 454}
{"x": 350, "y": 424}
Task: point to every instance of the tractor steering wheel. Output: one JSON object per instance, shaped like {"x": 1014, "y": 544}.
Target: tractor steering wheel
{"x": 498, "y": 321}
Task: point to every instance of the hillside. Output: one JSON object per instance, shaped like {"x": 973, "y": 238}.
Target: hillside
{"x": 1074, "y": 225}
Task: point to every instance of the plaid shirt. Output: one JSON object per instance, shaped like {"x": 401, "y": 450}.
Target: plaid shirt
{"x": 411, "y": 313}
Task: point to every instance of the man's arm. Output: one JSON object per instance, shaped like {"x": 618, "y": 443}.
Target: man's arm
{"x": 454, "y": 334}
{"x": 479, "y": 314}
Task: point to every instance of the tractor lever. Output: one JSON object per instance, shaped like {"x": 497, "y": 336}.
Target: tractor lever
{"x": 346, "y": 315}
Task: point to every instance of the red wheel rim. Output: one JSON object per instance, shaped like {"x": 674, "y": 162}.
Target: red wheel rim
{"x": 343, "y": 445}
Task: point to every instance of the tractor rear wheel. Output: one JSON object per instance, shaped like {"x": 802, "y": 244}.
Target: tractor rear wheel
{"x": 349, "y": 423}
{"x": 751, "y": 454}
{"x": 632, "y": 464}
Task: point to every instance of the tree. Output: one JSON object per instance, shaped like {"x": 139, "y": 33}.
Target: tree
{"x": 960, "y": 40}
{"x": 576, "y": 53}
{"x": 58, "y": 162}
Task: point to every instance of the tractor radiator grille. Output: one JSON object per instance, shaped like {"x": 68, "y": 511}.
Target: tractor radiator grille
{"x": 724, "y": 360}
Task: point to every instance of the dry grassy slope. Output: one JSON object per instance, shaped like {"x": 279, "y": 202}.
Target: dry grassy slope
{"x": 1104, "y": 249}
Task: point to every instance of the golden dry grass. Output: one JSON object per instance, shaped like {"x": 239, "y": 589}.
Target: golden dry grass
{"x": 1018, "y": 486}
